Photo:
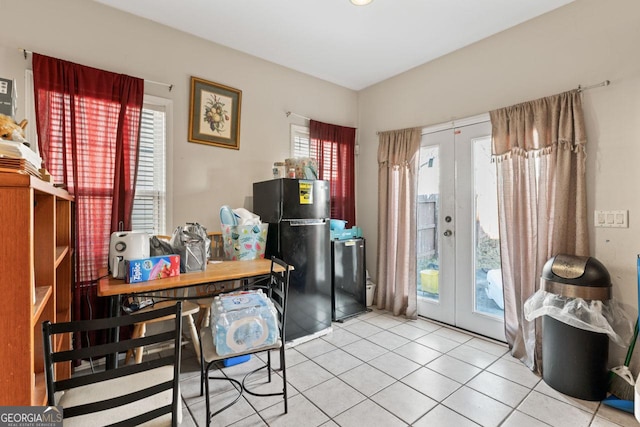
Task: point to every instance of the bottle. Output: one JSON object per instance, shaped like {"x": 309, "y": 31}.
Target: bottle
{"x": 278, "y": 170}
{"x": 292, "y": 173}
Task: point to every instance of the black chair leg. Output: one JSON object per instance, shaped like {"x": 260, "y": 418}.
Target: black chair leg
{"x": 206, "y": 387}
{"x": 283, "y": 368}
{"x": 269, "y": 365}
{"x": 202, "y": 375}
{"x": 237, "y": 384}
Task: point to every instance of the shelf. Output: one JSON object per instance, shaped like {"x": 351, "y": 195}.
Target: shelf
{"x": 40, "y": 390}
{"x": 43, "y": 294}
{"x": 61, "y": 252}
{"x": 36, "y": 222}
{"x": 40, "y": 186}
{"x": 63, "y": 315}
{"x": 62, "y": 341}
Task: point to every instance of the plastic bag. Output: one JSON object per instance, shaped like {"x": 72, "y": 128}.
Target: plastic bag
{"x": 245, "y": 217}
{"x": 596, "y": 316}
{"x": 159, "y": 247}
{"x": 193, "y": 244}
{"x": 238, "y": 216}
{"x": 243, "y": 320}
{"x": 244, "y": 242}
{"x": 244, "y": 236}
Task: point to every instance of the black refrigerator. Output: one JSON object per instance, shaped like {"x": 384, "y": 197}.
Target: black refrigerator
{"x": 298, "y": 214}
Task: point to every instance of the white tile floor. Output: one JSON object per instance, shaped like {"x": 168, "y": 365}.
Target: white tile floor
{"x": 381, "y": 370}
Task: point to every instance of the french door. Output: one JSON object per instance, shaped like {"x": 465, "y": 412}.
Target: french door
{"x": 459, "y": 276}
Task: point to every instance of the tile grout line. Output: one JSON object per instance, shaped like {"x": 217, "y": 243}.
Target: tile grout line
{"x": 387, "y": 351}
{"x": 465, "y": 384}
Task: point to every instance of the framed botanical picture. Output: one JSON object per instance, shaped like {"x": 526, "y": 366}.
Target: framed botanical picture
{"x": 214, "y": 114}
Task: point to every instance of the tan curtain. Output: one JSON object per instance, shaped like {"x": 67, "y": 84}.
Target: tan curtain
{"x": 539, "y": 147}
{"x": 397, "y": 182}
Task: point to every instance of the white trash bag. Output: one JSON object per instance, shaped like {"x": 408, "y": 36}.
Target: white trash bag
{"x": 590, "y": 315}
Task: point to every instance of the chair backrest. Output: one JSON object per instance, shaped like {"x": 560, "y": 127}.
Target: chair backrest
{"x": 217, "y": 245}
{"x": 277, "y": 289}
{"x": 154, "y": 380}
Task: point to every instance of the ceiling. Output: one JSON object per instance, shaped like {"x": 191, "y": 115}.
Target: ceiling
{"x": 351, "y": 46}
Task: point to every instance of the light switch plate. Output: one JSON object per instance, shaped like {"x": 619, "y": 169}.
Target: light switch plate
{"x": 611, "y": 219}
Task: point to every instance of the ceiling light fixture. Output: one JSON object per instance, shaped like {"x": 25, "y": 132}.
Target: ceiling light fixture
{"x": 361, "y": 2}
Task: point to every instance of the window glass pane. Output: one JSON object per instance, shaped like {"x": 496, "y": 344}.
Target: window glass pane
{"x": 300, "y": 146}
{"x": 149, "y": 204}
{"x": 427, "y": 222}
{"x": 488, "y": 276}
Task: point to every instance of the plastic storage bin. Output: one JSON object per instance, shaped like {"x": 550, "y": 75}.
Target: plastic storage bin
{"x": 574, "y": 360}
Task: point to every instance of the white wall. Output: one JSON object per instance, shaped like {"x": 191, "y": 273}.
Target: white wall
{"x": 201, "y": 177}
{"x": 585, "y": 42}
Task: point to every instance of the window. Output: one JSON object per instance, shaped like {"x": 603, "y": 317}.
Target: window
{"x": 149, "y": 206}
{"x": 332, "y": 147}
{"x": 300, "y": 146}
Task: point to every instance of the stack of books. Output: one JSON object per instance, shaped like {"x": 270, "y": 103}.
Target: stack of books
{"x": 18, "y": 158}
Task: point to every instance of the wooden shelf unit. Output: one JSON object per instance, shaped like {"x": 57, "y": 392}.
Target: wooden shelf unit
{"x": 36, "y": 274}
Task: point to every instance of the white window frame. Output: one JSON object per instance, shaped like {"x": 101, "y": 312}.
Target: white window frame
{"x": 166, "y": 105}
{"x": 299, "y": 132}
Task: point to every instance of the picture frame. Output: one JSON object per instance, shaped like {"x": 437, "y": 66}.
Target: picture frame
{"x": 214, "y": 114}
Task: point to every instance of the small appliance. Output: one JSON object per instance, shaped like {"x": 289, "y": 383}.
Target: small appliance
{"x": 126, "y": 245}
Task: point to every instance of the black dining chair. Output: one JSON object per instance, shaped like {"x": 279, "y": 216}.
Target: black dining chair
{"x": 276, "y": 288}
{"x": 128, "y": 395}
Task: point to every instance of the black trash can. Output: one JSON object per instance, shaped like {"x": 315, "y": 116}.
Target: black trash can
{"x": 574, "y": 361}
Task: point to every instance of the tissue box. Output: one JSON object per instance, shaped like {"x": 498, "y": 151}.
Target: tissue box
{"x": 157, "y": 267}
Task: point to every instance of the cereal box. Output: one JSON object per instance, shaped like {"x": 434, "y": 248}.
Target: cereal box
{"x": 157, "y": 267}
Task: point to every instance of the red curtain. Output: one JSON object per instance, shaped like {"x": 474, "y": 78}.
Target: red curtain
{"x": 88, "y": 124}
{"x": 334, "y": 148}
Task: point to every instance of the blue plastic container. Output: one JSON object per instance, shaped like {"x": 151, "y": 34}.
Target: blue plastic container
{"x": 236, "y": 360}
{"x": 338, "y": 224}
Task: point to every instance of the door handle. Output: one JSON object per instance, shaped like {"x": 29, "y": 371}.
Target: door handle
{"x": 448, "y": 233}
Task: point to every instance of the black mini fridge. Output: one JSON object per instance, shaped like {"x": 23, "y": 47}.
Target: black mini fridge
{"x": 348, "y": 278}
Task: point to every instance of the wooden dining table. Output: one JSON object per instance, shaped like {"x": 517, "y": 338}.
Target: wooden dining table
{"x": 216, "y": 272}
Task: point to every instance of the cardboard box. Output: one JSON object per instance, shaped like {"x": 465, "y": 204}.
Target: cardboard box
{"x": 156, "y": 267}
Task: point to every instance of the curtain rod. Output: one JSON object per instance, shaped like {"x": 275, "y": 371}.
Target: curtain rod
{"x": 580, "y": 89}
{"x": 604, "y": 83}
{"x": 289, "y": 113}
{"x": 170, "y": 86}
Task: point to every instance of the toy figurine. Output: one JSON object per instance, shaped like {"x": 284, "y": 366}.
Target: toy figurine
{"x": 11, "y": 130}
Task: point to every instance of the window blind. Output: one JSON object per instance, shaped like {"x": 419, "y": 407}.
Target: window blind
{"x": 148, "y": 213}
{"x": 300, "y": 143}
